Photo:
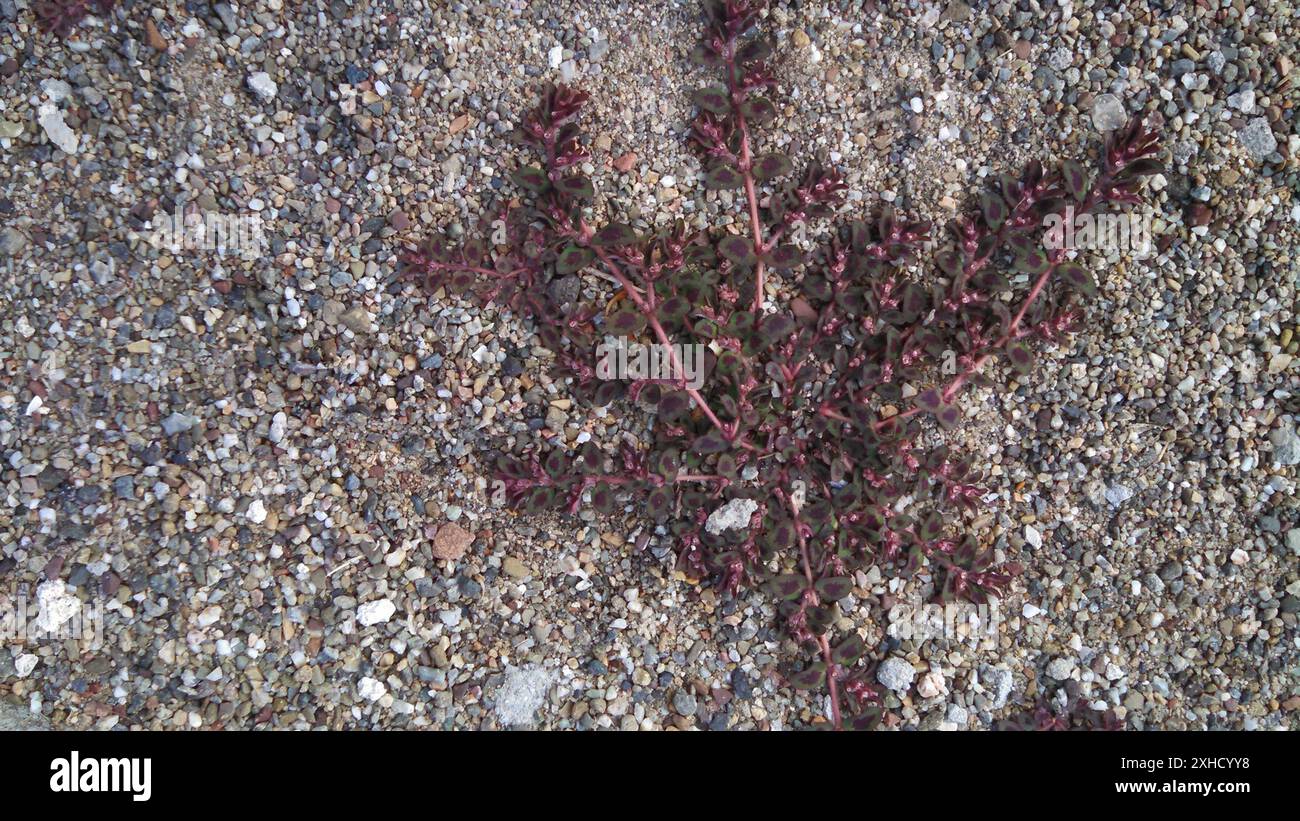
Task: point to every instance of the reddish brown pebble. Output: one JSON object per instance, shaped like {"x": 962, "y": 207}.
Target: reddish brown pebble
{"x": 153, "y": 36}
{"x": 624, "y": 163}
{"x": 451, "y": 542}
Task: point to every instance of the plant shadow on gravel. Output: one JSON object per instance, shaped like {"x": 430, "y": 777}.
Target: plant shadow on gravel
{"x": 807, "y": 454}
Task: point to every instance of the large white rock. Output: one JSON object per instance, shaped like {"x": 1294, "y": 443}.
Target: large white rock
{"x": 256, "y": 512}
{"x": 25, "y": 664}
{"x": 733, "y": 515}
{"x": 51, "y": 119}
{"x": 263, "y": 86}
{"x": 374, "y": 612}
{"x": 371, "y": 689}
{"x": 522, "y": 693}
{"x": 56, "y": 605}
{"x": 209, "y": 616}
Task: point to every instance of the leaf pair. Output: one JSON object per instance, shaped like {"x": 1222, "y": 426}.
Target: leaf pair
{"x": 931, "y": 401}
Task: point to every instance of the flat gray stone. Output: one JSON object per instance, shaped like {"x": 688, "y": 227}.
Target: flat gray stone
{"x": 522, "y": 694}
{"x": 896, "y": 674}
{"x": 1257, "y": 138}
{"x": 1108, "y": 113}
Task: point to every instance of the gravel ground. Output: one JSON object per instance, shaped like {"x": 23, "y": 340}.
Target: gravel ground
{"x": 270, "y": 471}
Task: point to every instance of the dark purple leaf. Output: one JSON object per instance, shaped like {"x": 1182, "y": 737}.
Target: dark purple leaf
{"x": 758, "y": 109}
{"x": 784, "y": 257}
{"x": 614, "y": 234}
{"x": 739, "y": 250}
{"x": 771, "y": 166}
{"x": 573, "y": 258}
{"x": 1022, "y": 359}
{"x": 812, "y": 677}
{"x": 532, "y": 178}
{"x": 723, "y": 177}
{"x": 834, "y": 588}
{"x": 714, "y": 99}
{"x": 789, "y": 587}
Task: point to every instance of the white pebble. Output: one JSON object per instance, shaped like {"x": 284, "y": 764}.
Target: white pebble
{"x": 374, "y": 612}
{"x": 256, "y": 512}
{"x": 25, "y": 664}
{"x": 371, "y": 689}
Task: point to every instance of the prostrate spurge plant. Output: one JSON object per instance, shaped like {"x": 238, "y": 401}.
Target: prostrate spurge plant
{"x": 799, "y": 412}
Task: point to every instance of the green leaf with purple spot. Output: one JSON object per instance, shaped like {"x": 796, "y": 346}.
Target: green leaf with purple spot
{"x": 834, "y": 588}
{"x": 771, "y": 166}
{"x": 758, "y": 109}
{"x": 738, "y": 249}
{"x": 1020, "y": 356}
{"x": 723, "y": 177}
{"x": 789, "y": 587}
{"x": 714, "y": 99}
{"x": 573, "y": 258}
{"x": 784, "y": 257}
{"x": 810, "y": 678}
{"x": 532, "y": 178}
{"x": 614, "y": 234}
{"x": 1077, "y": 277}
{"x": 626, "y": 322}
{"x": 849, "y": 651}
{"x": 577, "y": 186}
{"x": 994, "y": 209}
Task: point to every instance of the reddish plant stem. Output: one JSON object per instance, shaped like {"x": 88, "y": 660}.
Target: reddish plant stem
{"x": 822, "y": 643}
{"x": 643, "y": 304}
{"x": 746, "y": 165}
{"x": 692, "y": 477}
{"x": 477, "y": 269}
{"x": 760, "y": 272}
